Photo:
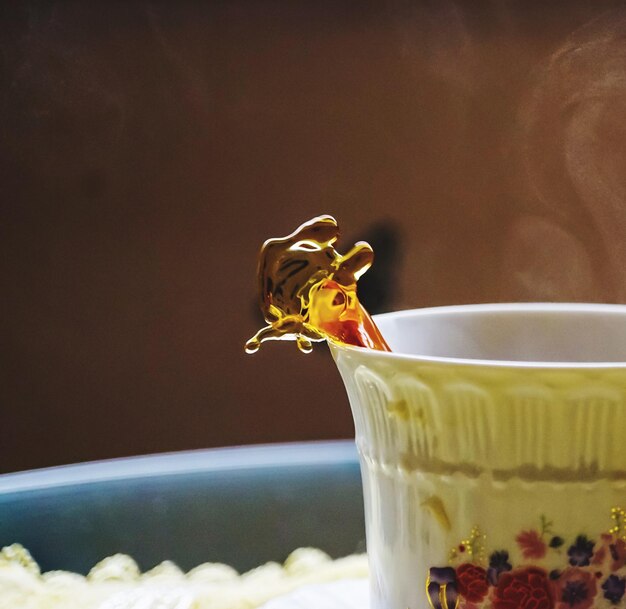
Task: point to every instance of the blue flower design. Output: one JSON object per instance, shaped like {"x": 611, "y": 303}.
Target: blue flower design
{"x": 441, "y": 588}
{"x": 614, "y": 588}
{"x": 581, "y": 551}
{"x": 498, "y": 563}
{"x": 574, "y": 592}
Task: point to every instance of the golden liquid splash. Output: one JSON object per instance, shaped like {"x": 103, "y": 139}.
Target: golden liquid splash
{"x": 308, "y": 290}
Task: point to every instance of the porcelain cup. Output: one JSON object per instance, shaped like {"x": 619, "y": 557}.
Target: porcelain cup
{"x": 492, "y": 442}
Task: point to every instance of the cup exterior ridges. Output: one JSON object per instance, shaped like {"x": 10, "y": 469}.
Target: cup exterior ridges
{"x": 454, "y": 455}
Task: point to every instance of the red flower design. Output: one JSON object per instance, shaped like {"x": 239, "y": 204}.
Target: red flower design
{"x": 612, "y": 551}
{"x": 524, "y": 589}
{"x": 575, "y": 589}
{"x": 531, "y": 544}
{"x": 472, "y": 582}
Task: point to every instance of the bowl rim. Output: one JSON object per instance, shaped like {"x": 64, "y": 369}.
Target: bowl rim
{"x": 495, "y": 308}
{"x": 206, "y": 461}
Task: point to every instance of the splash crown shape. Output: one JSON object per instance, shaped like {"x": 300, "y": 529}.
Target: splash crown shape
{"x": 307, "y": 290}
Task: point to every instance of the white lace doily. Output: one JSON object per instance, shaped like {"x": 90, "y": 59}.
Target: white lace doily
{"x": 342, "y": 594}
{"x": 117, "y": 583}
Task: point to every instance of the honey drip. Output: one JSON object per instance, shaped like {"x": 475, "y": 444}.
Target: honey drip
{"x": 308, "y": 293}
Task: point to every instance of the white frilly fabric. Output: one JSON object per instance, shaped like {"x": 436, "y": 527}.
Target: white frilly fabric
{"x": 308, "y": 578}
{"x": 343, "y": 594}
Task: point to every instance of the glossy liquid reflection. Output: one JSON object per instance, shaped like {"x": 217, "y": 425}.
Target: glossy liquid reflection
{"x": 308, "y": 290}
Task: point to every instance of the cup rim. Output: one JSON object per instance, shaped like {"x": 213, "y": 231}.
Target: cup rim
{"x": 523, "y": 307}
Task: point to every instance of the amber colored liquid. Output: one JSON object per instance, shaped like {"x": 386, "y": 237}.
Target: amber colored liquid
{"x": 308, "y": 290}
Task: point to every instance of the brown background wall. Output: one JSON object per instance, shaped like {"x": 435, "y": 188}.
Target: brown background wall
{"x": 148, "y": 148}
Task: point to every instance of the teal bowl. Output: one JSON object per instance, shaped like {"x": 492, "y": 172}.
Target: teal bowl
{"x": 240, "y": 506}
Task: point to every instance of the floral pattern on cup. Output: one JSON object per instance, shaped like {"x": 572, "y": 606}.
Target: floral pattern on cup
{"x": 592, "y": 573}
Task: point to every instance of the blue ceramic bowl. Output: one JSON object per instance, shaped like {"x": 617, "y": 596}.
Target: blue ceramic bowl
{"x": 241, "y": 506}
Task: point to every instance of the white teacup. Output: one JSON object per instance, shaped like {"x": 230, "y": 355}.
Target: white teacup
{"x": 493, "y": 452}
